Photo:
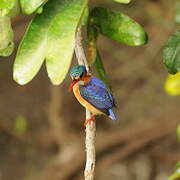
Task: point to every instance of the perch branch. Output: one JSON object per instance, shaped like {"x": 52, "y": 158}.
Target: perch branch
{"x": 91, "y": 126}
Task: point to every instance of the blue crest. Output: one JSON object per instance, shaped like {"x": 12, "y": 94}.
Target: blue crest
{"x": 77, "y": 70}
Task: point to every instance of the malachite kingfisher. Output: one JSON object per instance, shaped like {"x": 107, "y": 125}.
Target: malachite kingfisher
{"x": 92, "y": 93}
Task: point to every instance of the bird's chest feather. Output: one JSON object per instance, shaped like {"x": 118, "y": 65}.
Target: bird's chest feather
{"x": 83, "y": 102}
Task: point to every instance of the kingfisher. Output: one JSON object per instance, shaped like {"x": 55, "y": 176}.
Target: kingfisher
{"x": 92, "y": 93}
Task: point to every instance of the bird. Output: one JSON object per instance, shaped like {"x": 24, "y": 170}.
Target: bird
{"x": 92, "y": 93}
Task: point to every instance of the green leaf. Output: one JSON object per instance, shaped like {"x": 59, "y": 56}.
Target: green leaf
{"x": 123, "y": 1}
{"x": 8, "y": 50}
{"x": 101, "y": 70}
{"x": 30, "y": 6}
{"x": 171, "y": 54}
{"x": 5, "y": 31}
{"x": 118, "y": 26}
{"x": 32, "y": 50}
{"x": 6, "y": 38}
{"x": 61, "y": 38}
{"x": 85, "y": 15}
{"x": 51, "y": 35}
{"x": 15, "y": 10}
{"x": 172, "y": 84}
{"x": 7, "y": 6}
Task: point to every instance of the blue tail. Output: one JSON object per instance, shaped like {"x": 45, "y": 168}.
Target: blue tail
{"x": 111, "y": 114}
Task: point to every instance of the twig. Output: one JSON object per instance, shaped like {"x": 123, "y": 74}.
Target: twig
{"x": 91, "y": 126}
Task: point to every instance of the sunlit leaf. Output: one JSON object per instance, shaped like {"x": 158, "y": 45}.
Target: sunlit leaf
{"x": 51, "y": 35}
{"x": 171, "y": 53}
{"x": 118, "y": 26}
{"x": 30, "y": 6}
{"x": 5, "y": 31}
{"x": 39, "y": 10}
{"x": 32, "y": 50}
{"x": 8, "y": 50}
{"x": 123, "y": 1}
{"x": 6, "y": 3}
{"x": 172, "y": 84}
{"x": 7, "y": 6}
{"x": 61, "y": 38}
{"x": 6, "y": 36}
{"x": 15, "y": 10}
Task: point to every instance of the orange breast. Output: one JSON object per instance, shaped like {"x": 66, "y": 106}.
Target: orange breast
{"x": 85, "y": 103}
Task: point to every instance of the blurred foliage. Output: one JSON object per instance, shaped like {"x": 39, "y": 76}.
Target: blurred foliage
{"x": 171, "y": 53}
{"x": 178, "y": 11}
{"x": 172, "y": 84}
{"x": 20, "y": 125}
{"x": 176, "y": 174}
{"x": 136, "y": 75}
{"x": 178, "y": 133}
{"x": 123, "y": 1}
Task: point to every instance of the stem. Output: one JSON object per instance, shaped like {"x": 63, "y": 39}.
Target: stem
{"x": 91, "y": 126}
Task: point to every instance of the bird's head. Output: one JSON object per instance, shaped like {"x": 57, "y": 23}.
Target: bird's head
{"x": 79, "y": 75}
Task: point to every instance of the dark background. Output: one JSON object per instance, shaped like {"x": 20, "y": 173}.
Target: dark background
{"x": 41, "y": 126}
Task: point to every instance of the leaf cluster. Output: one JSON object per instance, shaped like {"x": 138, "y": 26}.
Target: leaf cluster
{"x": 171, "y": 58}
{"x": 50, "y": 36}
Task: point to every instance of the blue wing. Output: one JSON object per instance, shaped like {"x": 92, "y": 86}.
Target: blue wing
{"x": 96, "y": 93}
{"x": 98, "y": 82}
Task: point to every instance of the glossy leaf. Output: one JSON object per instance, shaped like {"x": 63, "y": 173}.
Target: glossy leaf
{"x": 30, "y": 6}
{"x": 123, "y": 1}
{"x": 61, "y": 38}
{"x": 171, "y": 53}
{"x": 51, "y": 35}
{"x": 118, "y": 26}
{"x": 172, "y": 84}
{"x": 32, "y": 50}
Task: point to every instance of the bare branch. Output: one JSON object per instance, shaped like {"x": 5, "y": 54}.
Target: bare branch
{"x": 91, "y": 126}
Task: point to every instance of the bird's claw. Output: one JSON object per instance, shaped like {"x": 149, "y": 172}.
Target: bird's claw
{"x": 88, "y": 120}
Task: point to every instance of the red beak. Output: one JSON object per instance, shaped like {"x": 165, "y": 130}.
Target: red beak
{"x": 72, "y": 84}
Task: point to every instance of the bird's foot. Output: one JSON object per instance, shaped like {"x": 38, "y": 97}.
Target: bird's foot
{"x": 92, "y": 118}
